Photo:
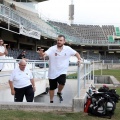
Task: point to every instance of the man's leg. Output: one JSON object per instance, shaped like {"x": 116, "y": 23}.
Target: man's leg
{"x": 51, "y": 93}
{"x": 29, "y": 93}
{"x": 60, "y": 88}
{"x": 59, "y": 94}
{"x": 19, "y": 94}
{"x": 53, "y": 86}
{"x": 61, "y": 81}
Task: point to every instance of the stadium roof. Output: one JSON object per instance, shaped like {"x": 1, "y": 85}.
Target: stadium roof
{"x": 40, "y": 0}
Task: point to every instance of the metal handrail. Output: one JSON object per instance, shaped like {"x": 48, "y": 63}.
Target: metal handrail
{"x": 87, "y": 72}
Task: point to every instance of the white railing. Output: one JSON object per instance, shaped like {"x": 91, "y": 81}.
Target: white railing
{"x": 10, "y": 64}
{"x": 84, "y": 70}
{"x": 84, "y": 73}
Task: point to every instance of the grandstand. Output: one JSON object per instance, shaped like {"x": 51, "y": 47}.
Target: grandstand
{"x": 22, "y": 28}
{"x": 93, "y": 40}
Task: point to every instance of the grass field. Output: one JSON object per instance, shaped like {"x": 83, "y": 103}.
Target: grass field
{"x": 115, "y": 73}
{"x": 25, "y": 115}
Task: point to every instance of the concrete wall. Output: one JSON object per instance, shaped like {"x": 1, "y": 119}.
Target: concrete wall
{"x": 105, "y": 79}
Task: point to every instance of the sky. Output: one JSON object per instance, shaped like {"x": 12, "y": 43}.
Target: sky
{"x": 100, "y": 12}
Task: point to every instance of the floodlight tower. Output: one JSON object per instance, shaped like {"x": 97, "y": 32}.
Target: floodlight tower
{"x": 71, "y": 13}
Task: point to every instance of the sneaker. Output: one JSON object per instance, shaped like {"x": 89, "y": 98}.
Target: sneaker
{"x": 60, "y": 96}
{"x": 51, "y": 101}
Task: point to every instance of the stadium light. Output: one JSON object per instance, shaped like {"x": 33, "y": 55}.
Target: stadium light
{"x": 71, "y": 12}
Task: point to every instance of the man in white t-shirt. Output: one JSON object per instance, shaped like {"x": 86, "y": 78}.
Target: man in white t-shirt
{"x": 3, "y": 53}
{"x": 22, "y": 83}
{"x": 59, "y": 56}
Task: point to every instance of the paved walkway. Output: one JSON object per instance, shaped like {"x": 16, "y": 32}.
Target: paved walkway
{"x": 68, "y": 93}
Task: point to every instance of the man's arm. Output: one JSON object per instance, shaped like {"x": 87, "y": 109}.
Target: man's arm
{"x": 33, "y": 84}
{"x": 78, "y": 56}
{"x": 6, "y": 52}
{"x": 1, "y": 54}
{"x": 41, "y": 53}
{"x": 19, "y": 56}
{"x": 11, "y": 87}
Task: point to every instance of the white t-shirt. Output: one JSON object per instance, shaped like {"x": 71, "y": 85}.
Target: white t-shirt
{"x": 2, "y": 50}
{"x": 21, "y": 78}
{"x": 59, "y": 60}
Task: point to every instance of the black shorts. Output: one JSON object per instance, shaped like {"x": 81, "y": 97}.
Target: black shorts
{"x": 59, "y": 80}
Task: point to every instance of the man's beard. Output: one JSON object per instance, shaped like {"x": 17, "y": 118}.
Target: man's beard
{"x": 59, "y": 45}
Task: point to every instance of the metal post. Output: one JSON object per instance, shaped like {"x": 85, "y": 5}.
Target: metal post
{"x": 44, "y": 63}
{"x": 112, "y": 64}
{"x": 14, "y": 65}
{"x": 90, "y": 71}
{"x": 101, "y": 68}
{"x": 78, "y": 78}
{"x": 84, "y": 75}
{"x": 103, "y": 62}
{"x": 32, "y": 66}
{"x": 45, "y": 69}
{"x": 93, "y": 71}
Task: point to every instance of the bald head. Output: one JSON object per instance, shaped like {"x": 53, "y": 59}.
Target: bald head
{"x": 22, "y": 61}
{"x": 22, "y": 64}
